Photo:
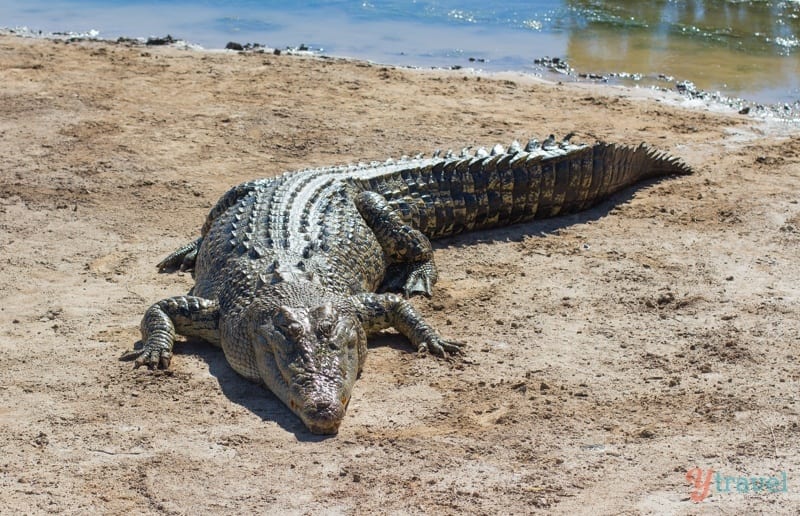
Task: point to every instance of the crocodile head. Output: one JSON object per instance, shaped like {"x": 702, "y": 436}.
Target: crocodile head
{"x": 310, "y": 358}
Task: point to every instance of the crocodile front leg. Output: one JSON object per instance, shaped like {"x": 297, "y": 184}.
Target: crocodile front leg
{"x": 187, "y": 315}
{"x": 412, "y": 270}
{"x": 380, "y": 311}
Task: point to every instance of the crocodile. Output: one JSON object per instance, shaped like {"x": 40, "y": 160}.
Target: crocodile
{"x": 293, "y": 273}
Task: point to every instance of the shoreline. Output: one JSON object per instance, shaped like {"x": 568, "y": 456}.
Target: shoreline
{"x": 551, "y": 70}
{"x": 609, "y": 353}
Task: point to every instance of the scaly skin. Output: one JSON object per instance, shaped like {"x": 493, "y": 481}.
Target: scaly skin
{"x": 288, "y": 269}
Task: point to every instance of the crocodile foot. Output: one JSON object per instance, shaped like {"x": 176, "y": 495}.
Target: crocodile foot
{"x": 154, "y": 357}
{"x": 440, "y": 347}
{"x": 420, "y": 280}
{"x": 411, "y": 279}
{"x": 182, "y": 259}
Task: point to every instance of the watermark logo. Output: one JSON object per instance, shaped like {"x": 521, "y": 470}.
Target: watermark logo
{"x": 702, "y": 481}
{"x": 702, "y": 485}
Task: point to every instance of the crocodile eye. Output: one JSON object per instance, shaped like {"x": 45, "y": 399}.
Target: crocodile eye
{"x": 294, "y": 330}
{"x": 325, "y": 327}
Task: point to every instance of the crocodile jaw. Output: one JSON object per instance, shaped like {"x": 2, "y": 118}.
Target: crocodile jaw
{"x": 311, "y": 365}
{"x": 318, "y": 398}
{"x": 321, "y": 406}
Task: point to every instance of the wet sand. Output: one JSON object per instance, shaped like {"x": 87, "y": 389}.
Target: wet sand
{"x": 607, "y": 352}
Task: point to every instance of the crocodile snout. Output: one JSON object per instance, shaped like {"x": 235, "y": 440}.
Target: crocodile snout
{"x": 324, "y": 417}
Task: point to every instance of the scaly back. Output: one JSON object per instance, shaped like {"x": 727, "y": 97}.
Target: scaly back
{"x": 446, "y": 196}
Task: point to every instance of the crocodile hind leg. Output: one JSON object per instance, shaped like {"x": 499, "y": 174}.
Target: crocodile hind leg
{"x": 380, "y": 311}
{"x": 182, "y": 258}
{"x": 412, "y": 270}
{"x": 187, "y": 315}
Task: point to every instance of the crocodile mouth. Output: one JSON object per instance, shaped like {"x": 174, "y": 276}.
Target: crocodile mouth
{"x": 322, "y": 418}
{"x": 312, "y": 376}
{"x": 321, "y": 406}
{"x": 320, "y": 401}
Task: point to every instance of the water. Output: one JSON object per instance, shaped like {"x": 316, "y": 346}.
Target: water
{"x": 749, "y": 49}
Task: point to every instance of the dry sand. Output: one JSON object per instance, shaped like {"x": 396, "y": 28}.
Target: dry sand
{"x": 607, "y": 352}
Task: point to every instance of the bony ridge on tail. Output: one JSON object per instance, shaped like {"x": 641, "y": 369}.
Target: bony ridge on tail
{"x": 293, "y": 273}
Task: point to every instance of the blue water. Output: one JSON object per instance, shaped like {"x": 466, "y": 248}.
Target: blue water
{"x": 740, "y": 48}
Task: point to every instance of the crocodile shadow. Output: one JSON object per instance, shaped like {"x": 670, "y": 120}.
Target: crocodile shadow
{"x": 545, "y": 226}
{"x": 253, "y": 396}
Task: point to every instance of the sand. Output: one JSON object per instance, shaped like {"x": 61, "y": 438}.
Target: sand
{"x": 608, "y": 352}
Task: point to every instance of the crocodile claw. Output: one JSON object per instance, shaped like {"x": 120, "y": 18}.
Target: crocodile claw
{"x": 182, "y": 259}
{"x": 419, "y": 281}
{"x": 153, "y": 358}
{"x": 410, "y": 279}
{"x": 440, "y": 348}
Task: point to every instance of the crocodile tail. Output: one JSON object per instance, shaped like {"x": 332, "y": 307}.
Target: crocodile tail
{"x": 443, "y": 197}
{"x": 612, "y": 168}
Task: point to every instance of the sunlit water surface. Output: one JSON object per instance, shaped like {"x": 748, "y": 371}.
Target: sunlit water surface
{"x": 748, "y": 49}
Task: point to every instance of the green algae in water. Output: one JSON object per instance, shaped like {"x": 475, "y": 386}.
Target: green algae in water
{"x": 747, "y": 49}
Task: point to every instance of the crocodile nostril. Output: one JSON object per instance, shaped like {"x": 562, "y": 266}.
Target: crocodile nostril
{"x": 334, "y": 408}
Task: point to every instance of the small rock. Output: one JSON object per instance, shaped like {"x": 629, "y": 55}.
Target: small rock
{"x": 646, "y": 433}
{"x": 167, "y": 40}
{"x": 666, "y": 298}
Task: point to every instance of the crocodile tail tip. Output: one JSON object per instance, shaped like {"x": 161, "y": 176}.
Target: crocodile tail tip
{"x": 673, "y": 164}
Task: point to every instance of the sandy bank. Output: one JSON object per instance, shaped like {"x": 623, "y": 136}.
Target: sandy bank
{"x": 608, "y": 352}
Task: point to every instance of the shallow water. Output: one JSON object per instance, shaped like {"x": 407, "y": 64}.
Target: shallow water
{"x": 740, "y": 48}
